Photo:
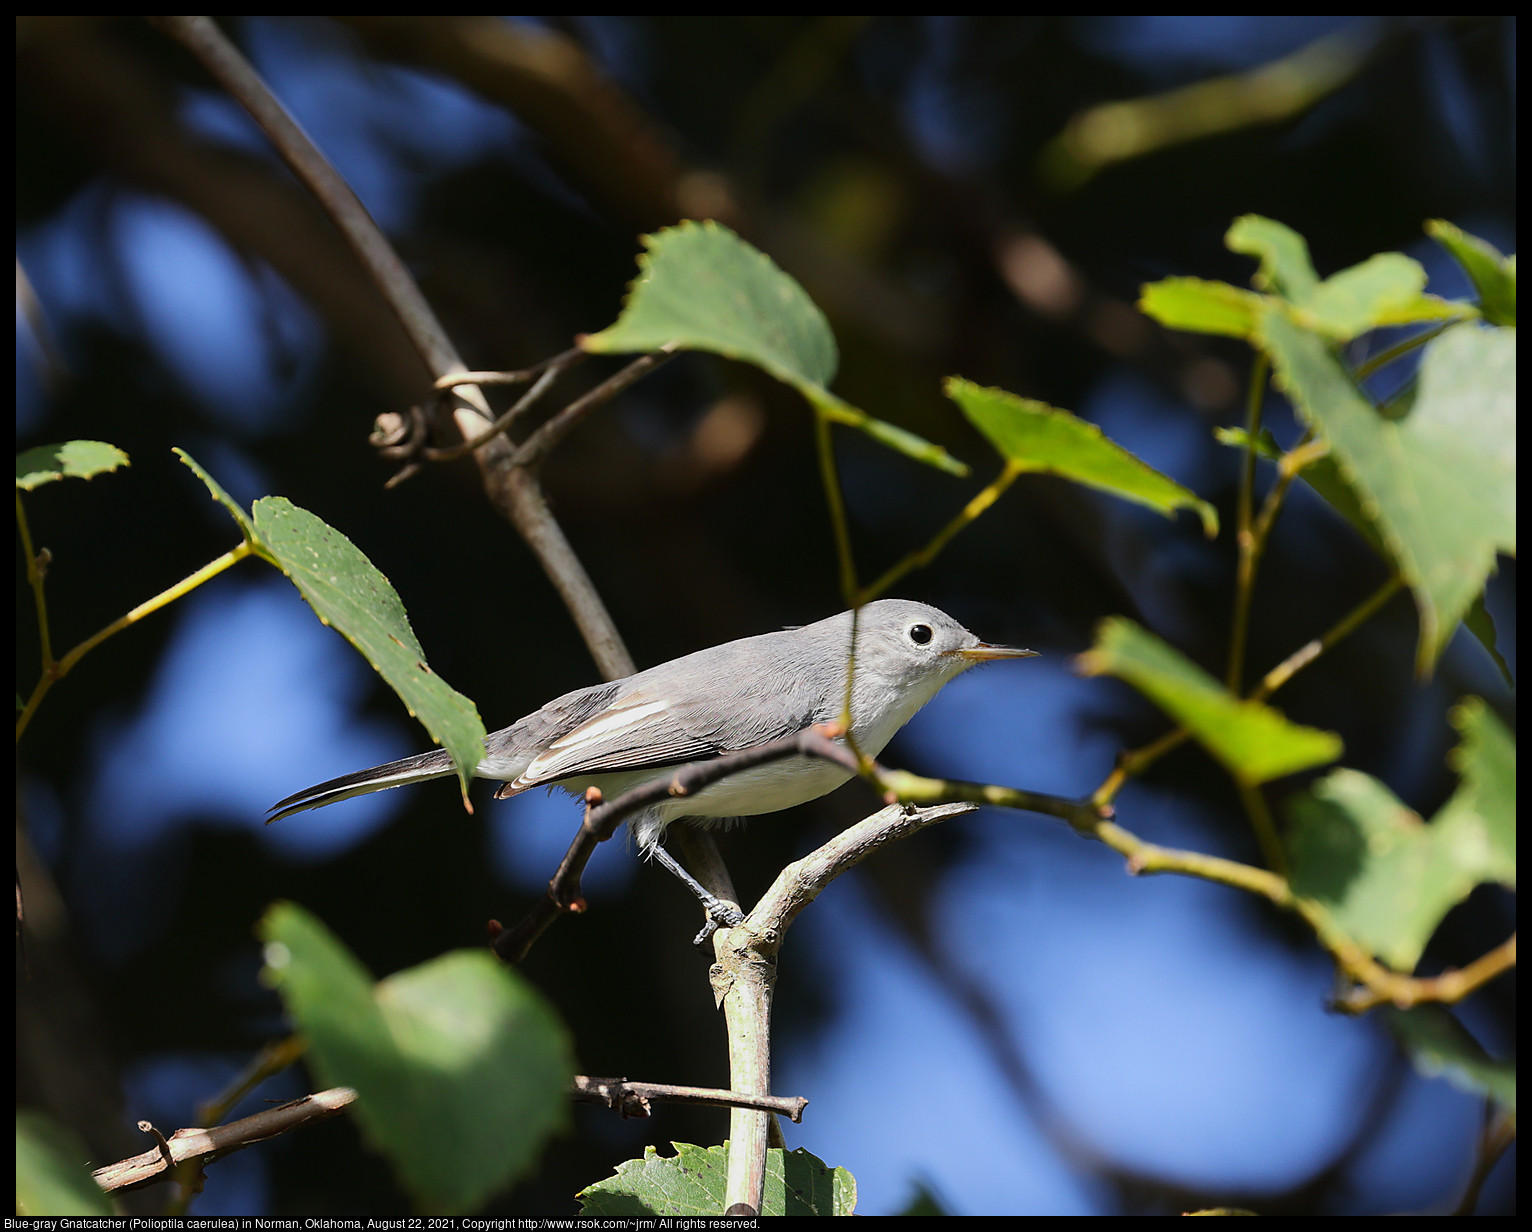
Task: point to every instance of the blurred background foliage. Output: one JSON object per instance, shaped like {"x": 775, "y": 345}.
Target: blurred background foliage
{"x": 992, "y": 1017}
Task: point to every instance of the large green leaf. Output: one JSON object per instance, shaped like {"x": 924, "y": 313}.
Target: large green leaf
{"x": 692, "y": 1183}
{"x": 1033, "y": 436}
{"x": 71, "y": 460}
{"x": 1386, "y": 876}
{"x": 51, "y": 1173}
{"x": 460, "y": 1066}
{"x": 1440, "y": 484}
{"x": 1493, "y": 275}
{"x": 1441, "y": 1048}
{"x": 1253, "y": 740}
{"x": 701, "y": 287}
{"x": 347, "y": 592}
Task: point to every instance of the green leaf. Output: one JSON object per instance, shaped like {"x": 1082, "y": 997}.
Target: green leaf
{"x": 1254, "y": 741}
{"x": 71, "y": 460}
{"x": 1493, "y": 275}
{"x": 1440, "y": 483}
{"x": 219, "y": 495}
{"x": 1386, "y": 876}
{"x": 1265, "y": 444}
{"x": 51, "y": 1173}
{"x": 347, "y": 592}
{"x": 1441, "y": 1048}
{"x": 702, "y": 288}
{"x": 460, "y": 1066}
{"x": 1381, "y": 289}
{"x": 1482, "y": 626}
{"x": 1385, "y": 289}
{"x": 1033, "y": 436}
{"x": 1285, "y": 267}
{"x": 693, "y": 1181}
{"x": 1200, "y": 307}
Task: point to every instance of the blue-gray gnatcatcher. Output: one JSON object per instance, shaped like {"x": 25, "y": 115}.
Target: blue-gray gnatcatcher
{"x": 628, "y": 732}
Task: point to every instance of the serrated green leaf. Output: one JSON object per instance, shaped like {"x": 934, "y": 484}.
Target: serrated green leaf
{"x": 71, "y": 460}
{"x": 459, "y": 1065}
{"x": 51, "y": 1173}
{"x": 1441, "y": 1048}
{"x": 1355, "y": 300}
{"x": 349, "y": 594}
{"x": 692, "y": 1183}
{"x": 1200, "y": 307}
{"x": 1493, "y": 275}
{"x": 1285, "y": 266}
{"x": 1386, "y": 876}
{"x": 700, "y": 287}
{"x": 1440, "y": 483}
{"x": 1254, "y": 741}
{"x": 219, "y": 495}
{"x": 1033, "y": 436}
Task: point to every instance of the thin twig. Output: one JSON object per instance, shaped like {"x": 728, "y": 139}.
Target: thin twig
{"x": 36, "y": 567}
{"x": 206, "y": 1145}
{"x": 631, "y": 1099}
{"x": 537, "y": 446}
{"x": 1366, "y": 369}
{"x": 519, "y": 408}
{"x": 922, "y": 557}
{"x": 272, "y": 1059}
{"x": 1498, "y": 1132}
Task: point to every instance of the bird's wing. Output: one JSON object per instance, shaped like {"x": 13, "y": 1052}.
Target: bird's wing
{"x": 636, "y": 731}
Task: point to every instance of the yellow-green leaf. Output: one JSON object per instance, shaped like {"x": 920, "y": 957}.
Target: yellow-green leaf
{"x": 1033, "y": 436}
{"x": 71, "y": 460}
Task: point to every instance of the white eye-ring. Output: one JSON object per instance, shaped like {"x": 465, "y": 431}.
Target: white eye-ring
{"x": 919, "y": 634}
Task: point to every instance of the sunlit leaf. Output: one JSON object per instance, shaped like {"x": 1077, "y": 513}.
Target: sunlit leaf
{"x": 700, "y": 287}
{"x": 1033, "y": 436}
{"x": 1440, "y": 483}
{"x": 1285, "y": 266}
{"x": 459, "y": 1065}
{"x": 1386, "y": 876}
{"x": 1200, "y": 306}
{"x": 1252, "y": 740}
{"x": 348, "y": 593}
{"x": 1493, "y": 275}
{"x": 693, "y": 1181}
{"x": 71, "y": 460}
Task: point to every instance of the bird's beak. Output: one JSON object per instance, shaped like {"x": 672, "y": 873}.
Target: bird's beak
{"x": 983, "y": 653}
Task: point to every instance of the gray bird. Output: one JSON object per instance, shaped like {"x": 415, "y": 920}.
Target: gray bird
{"x": 627, "y": 732}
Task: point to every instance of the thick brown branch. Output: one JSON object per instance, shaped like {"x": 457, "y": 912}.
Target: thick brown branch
{"x": 206, "y": 1145}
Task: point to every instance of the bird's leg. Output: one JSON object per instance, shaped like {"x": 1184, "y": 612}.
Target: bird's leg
{"x": 719, "y": 913}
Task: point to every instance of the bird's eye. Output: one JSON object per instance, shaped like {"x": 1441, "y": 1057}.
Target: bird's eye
{"x": 920, "y": 634}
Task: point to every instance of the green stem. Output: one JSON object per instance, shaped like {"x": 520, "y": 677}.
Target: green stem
{"x": 1366, "y": 369}
{"x": 35, "y": 579}
{"x": 833, "y": 498}
{"x": 922, "y": 557}
{"x": 1244, "y": 534}
{"x": 62, "y": 668}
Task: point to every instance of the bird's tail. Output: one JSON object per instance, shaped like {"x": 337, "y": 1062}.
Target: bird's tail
{"x": 433, "y": 765}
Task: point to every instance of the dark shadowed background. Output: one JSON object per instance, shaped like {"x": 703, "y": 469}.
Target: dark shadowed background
{"x": 993, "y": 1011}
